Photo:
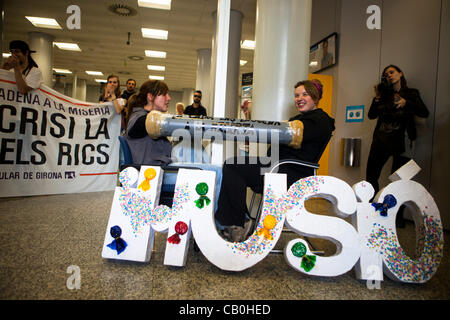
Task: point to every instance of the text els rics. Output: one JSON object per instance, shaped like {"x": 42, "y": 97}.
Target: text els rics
{"x": 63, "y": 125}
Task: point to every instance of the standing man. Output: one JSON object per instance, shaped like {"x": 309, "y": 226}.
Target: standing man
{"x": 196, "y": 109}
{"x": 131, "y": 85}
{"x": 126, "y": 94}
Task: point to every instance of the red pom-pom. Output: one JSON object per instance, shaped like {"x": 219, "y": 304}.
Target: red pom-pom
{"x": 181, "y": 227}
{"x": 175, "y": 239}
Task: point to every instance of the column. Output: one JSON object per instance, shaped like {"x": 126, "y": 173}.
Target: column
{"x": 2, "y": 13}
{"x": 74, "y": 85}
{"x": 81, "y": 90}
{"x": 43, "y": 44}
{"x": 188, "y": 96}
{"x": 281, "y": 58}
{"x": 203, "y": 77}
{"x": 232, "y": 79}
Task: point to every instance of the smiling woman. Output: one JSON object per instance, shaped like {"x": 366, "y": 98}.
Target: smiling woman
{"x": 238, "y": 174}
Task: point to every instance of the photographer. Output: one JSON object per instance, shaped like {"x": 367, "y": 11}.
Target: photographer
{"x": 395, "y": 106}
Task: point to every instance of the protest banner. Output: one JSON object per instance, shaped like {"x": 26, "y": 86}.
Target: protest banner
{"x": 54, "y": 144}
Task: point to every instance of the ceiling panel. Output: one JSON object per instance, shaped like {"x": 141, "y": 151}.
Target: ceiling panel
{"x": 103, "y": 36}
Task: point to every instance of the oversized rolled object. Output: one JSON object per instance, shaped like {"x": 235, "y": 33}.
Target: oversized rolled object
{"x": 159, "y": 124}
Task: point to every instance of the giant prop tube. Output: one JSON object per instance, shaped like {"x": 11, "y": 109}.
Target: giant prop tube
{"x": 159, "y": 124}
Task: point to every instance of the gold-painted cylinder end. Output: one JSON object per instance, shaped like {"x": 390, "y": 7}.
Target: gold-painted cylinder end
{"x": 153, "y": 124}
{"x": 297, "y": 128}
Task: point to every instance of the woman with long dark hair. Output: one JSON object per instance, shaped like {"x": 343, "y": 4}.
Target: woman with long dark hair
{"x": 153, "y": 95}
{"x": 111, "y": 92}
{"x": 26, "y": 71}
{"x": 394, "y": 106}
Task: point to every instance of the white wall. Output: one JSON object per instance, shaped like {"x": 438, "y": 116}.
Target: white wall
{"x": 414, "y": 35}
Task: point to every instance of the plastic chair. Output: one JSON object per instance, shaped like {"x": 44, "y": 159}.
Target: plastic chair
{"x": 124, "y": 152}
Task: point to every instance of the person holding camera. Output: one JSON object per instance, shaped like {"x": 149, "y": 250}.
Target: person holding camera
{"x": 394, "y": 105}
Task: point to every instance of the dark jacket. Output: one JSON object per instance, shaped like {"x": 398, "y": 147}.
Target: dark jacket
{"x": 199, "y": 111}
{"x": 317, "y": 130}
{"x": 145, "y": 150}
{"x": 393, "y": 122}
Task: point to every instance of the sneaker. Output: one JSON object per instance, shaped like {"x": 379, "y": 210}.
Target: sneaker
{"x": 237, "y": 233}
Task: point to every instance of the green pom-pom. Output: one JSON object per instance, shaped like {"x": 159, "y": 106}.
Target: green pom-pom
{"x": 298, "y": 249}
{"x": 201, "y": 188}
{"x": 308, "y": 262}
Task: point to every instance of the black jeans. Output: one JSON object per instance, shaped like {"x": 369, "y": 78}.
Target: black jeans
{"x": 378, "y": 157}
{"x": 248, "y": 172}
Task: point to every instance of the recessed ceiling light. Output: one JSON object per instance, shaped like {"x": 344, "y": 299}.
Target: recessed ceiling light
{"x": 100, "y": 80}
{"x": 156, "y": 77}
{"x": 155, "y": 54}
{"x": 155, "y": 4}
{"x": 157, "y": 68}
{"x": 242, "y": 62}
{"x": 155, "y": 33}
{"x": 44, "y": 22}
{"x": 248, "y": 44}
{"x": 67, "y": 46}
{"x": 94, "y": 73}
{"x": 61, "y": 70}
{"x": 6, "y": 54}
{"x": 313, "y": 63}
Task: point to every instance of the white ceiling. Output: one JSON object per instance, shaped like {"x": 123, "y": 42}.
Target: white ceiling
{"x": 103, "y": 36}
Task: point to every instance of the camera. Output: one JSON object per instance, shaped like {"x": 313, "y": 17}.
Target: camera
{"x": 385, "y": 88}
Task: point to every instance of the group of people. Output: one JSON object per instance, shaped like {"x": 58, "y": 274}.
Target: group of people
{"x": 395, "y": 106}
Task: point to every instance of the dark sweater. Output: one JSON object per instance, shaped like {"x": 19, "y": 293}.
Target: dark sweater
{"x": 318, "y": 128}
{"x": 392, "y": 121}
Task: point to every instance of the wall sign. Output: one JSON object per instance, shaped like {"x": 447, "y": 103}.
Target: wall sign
{"x": 354, "y": 113}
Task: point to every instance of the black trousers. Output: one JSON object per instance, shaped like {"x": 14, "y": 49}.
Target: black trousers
{"x": 378, "y": 156}
{"x": 248, "y": 172}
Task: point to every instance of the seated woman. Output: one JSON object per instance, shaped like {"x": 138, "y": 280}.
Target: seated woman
{"x": 26, "y": 71}
{"x": 153, "y": 95}
{"x": 232, "y": 209}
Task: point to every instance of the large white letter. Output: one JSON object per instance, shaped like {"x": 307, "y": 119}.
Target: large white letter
{"x": 129, "y": 234}
{"x": 341, "y": 233}
{"x": 377, "y": 230}
{"x": 238, "y": 256}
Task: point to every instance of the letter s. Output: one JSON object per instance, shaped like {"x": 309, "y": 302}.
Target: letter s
{"x": 333, "y": 229}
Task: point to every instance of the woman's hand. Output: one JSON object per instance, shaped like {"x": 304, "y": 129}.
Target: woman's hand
{"x": 377, "y": 92}
{"x": 11, "y": 62}
{"x": 399, "y": 101}
{"x": 109, "y": 92}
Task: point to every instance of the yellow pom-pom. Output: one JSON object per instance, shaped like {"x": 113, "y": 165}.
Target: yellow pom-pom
{"x": 150, "y": 173}
{"x": 270, "y": 222}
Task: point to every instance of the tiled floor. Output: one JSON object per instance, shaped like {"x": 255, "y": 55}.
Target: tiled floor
{"x": 40, "y": 237}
